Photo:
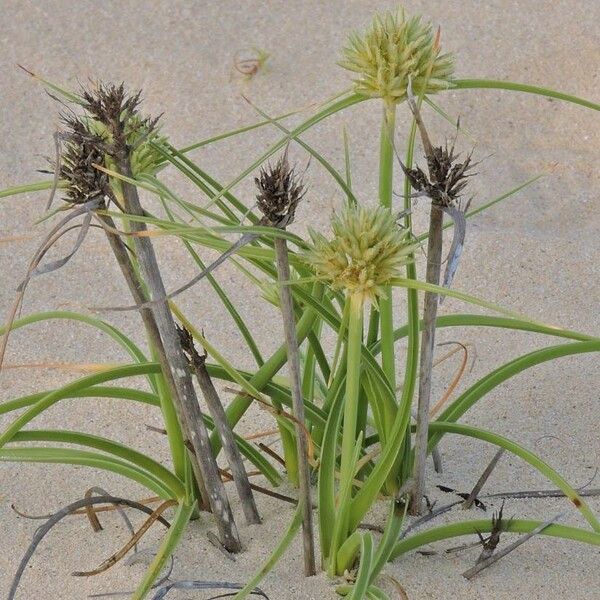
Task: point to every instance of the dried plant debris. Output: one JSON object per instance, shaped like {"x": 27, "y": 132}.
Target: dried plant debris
{"x": 589, "y": 493}
{"x": 197, "y": 364}
{"x": 491, "y": 542}
{"x": 41, "y": 531}
{"x": 464, "y": 495}
{"x": 491, "y": 557}
{"x": 107, "y": 129}
{"x": 93, "y": 516}
{"x": 447, "y": 177}
{"x": 249, "y": 61}
{"x": 115, "y": 113}
{"x": 472, "y": 497}
{"x": 82, "y": 150}
{"x": 110, "y": 127}
{"x": 132, "y": 543}
{"x": 205, "y": 585}
{"x": 444, "y": 185}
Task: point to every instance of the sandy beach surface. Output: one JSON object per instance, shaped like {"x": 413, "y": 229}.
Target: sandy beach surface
{"x": 536, "y": 253}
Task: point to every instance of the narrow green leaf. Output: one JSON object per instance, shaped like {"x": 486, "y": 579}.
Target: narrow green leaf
{"x": 71, "y": 388}
{"x": 322, "y": 114}
{"x": 27, "y": 188}
{"x": 487, "y": 383}
{"x": 527, "y": 456}
{"x": 167, "y": 547}
{"x": 174, "y": 484}
{"x": 68, "y": 456}
{"x": 463, "y": 84}
{"x": 275, "y": 556}
{"x": 363, "y": 576}
{"x": 445, "y": 532}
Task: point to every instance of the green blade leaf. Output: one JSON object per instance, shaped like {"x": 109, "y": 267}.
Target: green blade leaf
{"x": 527, "y": 456}
{"x": 69, "y": 456}
{"x": 485, "y": 526}
{"x": 170, "y": 541}
{"x": 463, "y": 84}
{"x": 144, "y": 462}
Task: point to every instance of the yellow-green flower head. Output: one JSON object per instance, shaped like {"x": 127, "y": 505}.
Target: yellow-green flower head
{"x": 367, "y": 251}
{"x": 393, "y": 50}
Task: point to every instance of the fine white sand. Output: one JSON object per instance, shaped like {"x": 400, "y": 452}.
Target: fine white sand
{"x": 536, "y": 253}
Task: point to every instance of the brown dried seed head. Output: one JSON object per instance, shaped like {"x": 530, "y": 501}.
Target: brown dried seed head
{"x": 117, "y": 111}
{"x": 110, "y": 126}
{"x": 82, "y": 150}
{"x": 447, "y": 177}
{"x": 279, "y": 192}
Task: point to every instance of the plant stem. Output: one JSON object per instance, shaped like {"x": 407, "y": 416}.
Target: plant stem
{"x": 289, "y": 326}
{"x": 175, "y": 365}
{"x": 386, "y": 172}
{"x": 232, "y": 453}
{"x": 349, "y": 433}
{"x": 238, "y": 406}
{"x": 174, "y": 434}
{"x": 434, "y": 263}
{"x": 403, "y": 468}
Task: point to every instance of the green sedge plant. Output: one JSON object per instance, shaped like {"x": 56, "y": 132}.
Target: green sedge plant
{"x": 360, "y": 428}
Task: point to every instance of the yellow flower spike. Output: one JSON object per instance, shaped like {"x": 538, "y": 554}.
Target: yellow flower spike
{"x": 368, "y": 249}
{"x": 394, "y": 50}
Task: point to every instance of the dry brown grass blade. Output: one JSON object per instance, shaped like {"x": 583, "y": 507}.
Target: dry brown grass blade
{"x": 277, "y": 412}
{"x": 455, "y": 380}
{"x": 261, "y": 434}
{"x": 15, "y": 238}
{"x": 272, "y": 454}
{"x": 93, "y": 518}
{"x": 82, "y": 511}
{"x": 55, "y": 234}
{"x": 91, "y": 513}
{"x": 41, "y": 531}
{"x": 31, "y": 517}
{"x": 117, "y": 556}
{"x": 257, "y": 488}
{"x": 367, "y": 458}
{"x": 402, "y": 595}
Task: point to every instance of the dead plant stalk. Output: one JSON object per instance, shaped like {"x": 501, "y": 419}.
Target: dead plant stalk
{"x": 232, "y": 453}
{"x": 434, "y": 263}
{"x": 289, "y": 326}
{"x": 186, "y": 402}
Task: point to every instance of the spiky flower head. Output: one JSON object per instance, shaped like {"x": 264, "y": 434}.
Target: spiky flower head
{"x": 114, "y": 114}
{"x": 109, "y": 128}
{"x": 447, "y": 177}
{"x": 394, "y": 51}
{"x": 367, "y": 250}
{"x": 280, "y": 189}
{"x": 82, "y": 150}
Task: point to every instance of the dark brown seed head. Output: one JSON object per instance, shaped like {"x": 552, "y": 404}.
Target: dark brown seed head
{"x": 110, "y": 126}
{"x": 280, "y": 189}
{"x": 81, "y": 151}
{"x": 117, "y": 111}
{"x": 447, "y": 177}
